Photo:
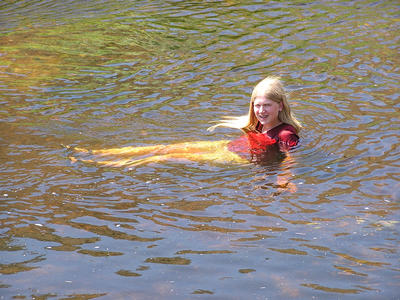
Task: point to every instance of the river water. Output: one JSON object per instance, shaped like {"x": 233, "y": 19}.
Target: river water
{"x": 106, "y": 74}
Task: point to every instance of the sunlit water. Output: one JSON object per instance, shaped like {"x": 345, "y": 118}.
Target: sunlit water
{"x": 102, "y": 74}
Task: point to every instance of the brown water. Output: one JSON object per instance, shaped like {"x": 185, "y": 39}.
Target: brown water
{"x": 102, "y": 74}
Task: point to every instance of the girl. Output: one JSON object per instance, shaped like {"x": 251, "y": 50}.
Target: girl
{"x": 270, "y": 130}
{"x": 269, "y": 113}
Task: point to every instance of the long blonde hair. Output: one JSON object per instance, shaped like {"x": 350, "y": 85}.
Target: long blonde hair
{"x": 271, "y": 87}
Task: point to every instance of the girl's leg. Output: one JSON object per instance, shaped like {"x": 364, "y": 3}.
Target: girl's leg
{"x": 109, "y": 163}
{"x": 216, "y": 151}
{"x": 217, "y": 157}
{"x": 122, "y": 151}
{"x": 188, "y": 147}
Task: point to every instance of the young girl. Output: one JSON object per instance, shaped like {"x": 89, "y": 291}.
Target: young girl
{"x": 270, "y": 130}
{"x": 269, "y": 113}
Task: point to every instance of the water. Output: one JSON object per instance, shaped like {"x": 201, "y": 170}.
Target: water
{"x": 102, "y": 74}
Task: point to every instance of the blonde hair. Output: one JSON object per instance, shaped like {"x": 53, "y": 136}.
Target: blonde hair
{"x": 271, "y": 87}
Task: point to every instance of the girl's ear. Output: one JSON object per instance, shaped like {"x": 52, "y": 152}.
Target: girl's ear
{"x": 280, "y": 106}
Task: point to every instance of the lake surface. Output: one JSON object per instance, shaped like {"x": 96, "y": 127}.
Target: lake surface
{"x": 106, "y": 74}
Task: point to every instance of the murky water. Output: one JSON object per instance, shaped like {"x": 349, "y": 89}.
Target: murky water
{"x": 102, "y": 74}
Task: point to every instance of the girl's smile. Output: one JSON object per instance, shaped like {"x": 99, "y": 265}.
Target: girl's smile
{"x": 266, "y": 112}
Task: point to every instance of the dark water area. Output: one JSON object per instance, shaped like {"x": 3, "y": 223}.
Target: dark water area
{"x": 107, "y": 74}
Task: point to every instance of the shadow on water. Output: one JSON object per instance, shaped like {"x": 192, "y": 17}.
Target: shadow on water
{"x": 104, "y": 74}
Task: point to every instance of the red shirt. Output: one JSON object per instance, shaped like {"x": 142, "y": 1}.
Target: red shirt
{"x": 253, "y": 143}
{"x": 284, "y": 134}
{"x": 281, "y": 137}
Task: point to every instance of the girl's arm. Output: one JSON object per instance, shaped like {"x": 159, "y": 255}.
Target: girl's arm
{"x": 287, "y": 140}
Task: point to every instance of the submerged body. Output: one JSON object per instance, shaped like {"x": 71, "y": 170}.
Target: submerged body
{"x": 251, "y": 147}
{"x": 270, "y": 131}
{"x": 134, "y": 156}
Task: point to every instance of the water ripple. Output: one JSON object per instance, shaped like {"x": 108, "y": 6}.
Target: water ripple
{"x": 101, "y": 74}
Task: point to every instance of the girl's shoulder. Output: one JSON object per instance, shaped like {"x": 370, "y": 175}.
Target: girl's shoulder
{"x": 285, "y": 134}
{"x": 284, "y": 127}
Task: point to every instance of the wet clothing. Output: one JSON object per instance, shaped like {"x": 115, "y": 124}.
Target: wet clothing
{"x": 251, "y": 143}
{"x": 265, "y": 147}
{"x": 284, "y": 134}
{"x": 254, "y": 147}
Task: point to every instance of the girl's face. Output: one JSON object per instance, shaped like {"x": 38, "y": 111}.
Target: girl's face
{"x": 266, "y": 111}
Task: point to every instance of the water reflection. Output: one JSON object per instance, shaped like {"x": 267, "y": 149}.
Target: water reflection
{"x": 103, "y": 75}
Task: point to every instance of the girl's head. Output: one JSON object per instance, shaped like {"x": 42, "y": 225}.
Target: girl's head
{"x": 272, "y": 89}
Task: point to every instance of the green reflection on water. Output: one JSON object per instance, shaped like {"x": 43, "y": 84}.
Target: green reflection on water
{"x": 103, "y": 63}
